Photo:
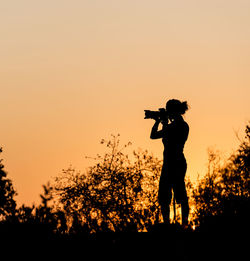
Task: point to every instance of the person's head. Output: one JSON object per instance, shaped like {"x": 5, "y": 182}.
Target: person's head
{"x": 176, "y": 108}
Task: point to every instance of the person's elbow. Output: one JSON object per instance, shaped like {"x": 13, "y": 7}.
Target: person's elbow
{"x": 153, "y": 136}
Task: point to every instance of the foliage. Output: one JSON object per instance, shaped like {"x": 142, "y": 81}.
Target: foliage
{"x": 115, "y": 194}
{"x": 222, "y": 196}
{"x": 119, "y": 193}
{"x": 7, "y": 193}
{"x": 52, "y": 221}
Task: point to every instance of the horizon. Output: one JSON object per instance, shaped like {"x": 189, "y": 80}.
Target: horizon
{"x": 74, "y": 73}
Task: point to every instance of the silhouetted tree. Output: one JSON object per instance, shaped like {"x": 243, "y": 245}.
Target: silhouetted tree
{"x": 222, "y": 196}
{"x": 7, "y": 193}
{"x": 115, "y": 194}
{"x": 44, "y": 219}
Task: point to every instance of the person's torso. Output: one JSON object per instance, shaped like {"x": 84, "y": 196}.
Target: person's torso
{"x": 175, "y": 135}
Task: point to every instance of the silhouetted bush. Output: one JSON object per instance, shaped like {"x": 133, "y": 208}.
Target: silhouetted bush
{"x": 116, "y": 194}
{"x": 119, "y": 194}
{"x": 222, "y": 197}
{"x": 7, "y": 193}
{"x": 44, "y": 215}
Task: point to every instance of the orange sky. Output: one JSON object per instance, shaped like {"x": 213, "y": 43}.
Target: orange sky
{"x": 73, "y": 72}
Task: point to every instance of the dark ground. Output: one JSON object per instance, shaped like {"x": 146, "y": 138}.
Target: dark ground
{"x": 163, "y": 243}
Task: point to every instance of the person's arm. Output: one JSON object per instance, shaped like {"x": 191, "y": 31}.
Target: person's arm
{"x": 155, "y": 133}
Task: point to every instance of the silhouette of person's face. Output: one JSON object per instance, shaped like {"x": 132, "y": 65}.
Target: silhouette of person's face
{"x": 173, "y": 115}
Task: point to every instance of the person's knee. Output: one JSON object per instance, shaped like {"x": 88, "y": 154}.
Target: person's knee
{"x": 184, "y": 202}
{"x": 185, "y": 207}
{"x": 164, "y": 200}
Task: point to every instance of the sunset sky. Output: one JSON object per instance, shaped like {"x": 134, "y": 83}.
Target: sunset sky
{"x": 74, "y": 72}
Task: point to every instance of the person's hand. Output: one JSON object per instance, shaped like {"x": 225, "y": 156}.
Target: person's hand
{"x": 157, "y": 120}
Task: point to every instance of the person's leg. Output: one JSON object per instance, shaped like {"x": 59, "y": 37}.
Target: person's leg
{"x": 164, "y": 197}
{"x": 165, "y": 213}
{"x": 180, "y": 190}
{"x": 184, "y": 211}
{"x": 181, "y": 198}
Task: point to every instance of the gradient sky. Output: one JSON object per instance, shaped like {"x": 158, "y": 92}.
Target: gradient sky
{"x": 73, "y": 72}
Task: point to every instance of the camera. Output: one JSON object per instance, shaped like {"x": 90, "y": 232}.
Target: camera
{"x": 161, "y": 114}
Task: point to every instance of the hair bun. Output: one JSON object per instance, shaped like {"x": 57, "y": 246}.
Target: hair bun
{"x": 183, "y": 107}
{"x": 177, "y": 106}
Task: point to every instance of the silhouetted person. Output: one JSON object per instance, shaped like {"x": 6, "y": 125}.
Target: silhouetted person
{"x": 174, "y": 134}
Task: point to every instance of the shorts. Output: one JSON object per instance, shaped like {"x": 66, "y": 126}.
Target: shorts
{"x": 172, "y": 178}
